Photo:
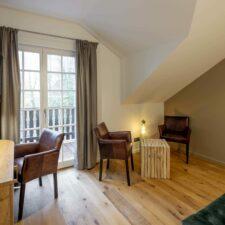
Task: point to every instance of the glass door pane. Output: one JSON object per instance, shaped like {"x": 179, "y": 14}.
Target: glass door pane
{"x": 61, "y": 81}
{"x": 30, "y": 95}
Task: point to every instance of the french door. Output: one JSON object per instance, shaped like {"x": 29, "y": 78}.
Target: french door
{"x": 48, "y": 97}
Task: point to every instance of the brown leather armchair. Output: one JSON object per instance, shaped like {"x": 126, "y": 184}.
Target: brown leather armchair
{"x": 35, "y": 160}
{"x": 114, "y": 145}
{"x": 176, "y": 129}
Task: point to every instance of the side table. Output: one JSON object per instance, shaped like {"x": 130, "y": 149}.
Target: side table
{"x": 155, "y": 159}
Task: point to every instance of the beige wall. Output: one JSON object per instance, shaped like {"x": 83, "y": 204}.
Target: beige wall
{"x": 204, "y": 101}
{"x": 110, "y": 109}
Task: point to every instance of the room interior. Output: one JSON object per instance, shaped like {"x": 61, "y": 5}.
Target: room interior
{"x": 112, "y": 112}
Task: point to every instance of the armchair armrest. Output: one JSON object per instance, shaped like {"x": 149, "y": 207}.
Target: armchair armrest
{"x": 113, "y": 148}
{"x": 112, "y": 141}
{"x": 162, "y": 129}
{"x": 39, "y": 164}
{"x": 121, "y": 135}
{"x": 21, "y": 150}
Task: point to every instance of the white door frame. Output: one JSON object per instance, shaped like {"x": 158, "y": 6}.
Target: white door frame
{"x": 43, "y": 51}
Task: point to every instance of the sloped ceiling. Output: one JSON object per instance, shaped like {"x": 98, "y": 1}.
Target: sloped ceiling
{"x": 201, "y": 50}
{"x": 127, "y": 25}
{"x": 164, "y": 45}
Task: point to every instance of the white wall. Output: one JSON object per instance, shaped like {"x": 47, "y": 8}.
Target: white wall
{"x": 139, "y": 66}
{"x": 110, "y": 109}
{"x": 153, "y": 114}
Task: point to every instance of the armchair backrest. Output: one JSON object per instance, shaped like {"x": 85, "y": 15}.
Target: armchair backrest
{"x": 101, "y": 131}
{"x": 176, "y": 123}
{"x": 50, "y": 140}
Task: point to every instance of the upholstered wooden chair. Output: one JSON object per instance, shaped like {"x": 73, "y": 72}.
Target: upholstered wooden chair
{"x": 176, "y": 129}
{"x": 35, "y": 160}
{"x": 114, "y": 145}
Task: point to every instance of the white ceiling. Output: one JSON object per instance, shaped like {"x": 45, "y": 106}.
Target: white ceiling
{"x": 127, "y": 25}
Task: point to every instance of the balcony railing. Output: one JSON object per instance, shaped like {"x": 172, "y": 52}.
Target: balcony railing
{"x": 59, "y": 119}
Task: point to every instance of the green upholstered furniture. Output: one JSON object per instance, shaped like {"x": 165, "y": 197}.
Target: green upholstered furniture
{"x": 213, "y": 214}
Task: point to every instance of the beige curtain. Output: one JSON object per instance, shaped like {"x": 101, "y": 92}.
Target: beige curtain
{"x": 9, "y": 85}
{"x": 86, "y": 103}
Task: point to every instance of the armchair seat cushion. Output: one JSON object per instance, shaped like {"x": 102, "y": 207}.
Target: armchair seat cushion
{"x": 19, "y": 163}
{"x": 174, "y": 137}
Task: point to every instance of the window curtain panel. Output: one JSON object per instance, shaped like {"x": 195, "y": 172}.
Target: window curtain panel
{"x": 9, "y": 84}
{"x": 86, "y": 59}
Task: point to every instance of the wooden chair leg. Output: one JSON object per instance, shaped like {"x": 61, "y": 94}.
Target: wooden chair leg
{"x": 21, "y": 200}
{"x": 132, "y": 161}
{"x": 127, "y": 172}
{"x": 100, "y": 169}
{"x": 55, "y": 185}
{"x": 40, "y": 181}
{"x": 187, "y": 153}
{"x": 107, "y": 164}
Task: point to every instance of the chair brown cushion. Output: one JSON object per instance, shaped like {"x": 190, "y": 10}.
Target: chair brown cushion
{"x": 176, "y": 123}
{"x": 102, "y": 131}
{"x": 43, "y": 147}
{"x": 49, "y": 140}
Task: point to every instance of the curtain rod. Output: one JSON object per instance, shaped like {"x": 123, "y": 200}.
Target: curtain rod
{"x": 50, "y": 35}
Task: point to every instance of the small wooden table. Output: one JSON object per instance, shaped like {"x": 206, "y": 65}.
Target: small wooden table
{"x": 155, "y": 159}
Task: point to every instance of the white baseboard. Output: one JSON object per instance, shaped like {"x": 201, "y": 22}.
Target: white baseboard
{"x": 210, "y": 159}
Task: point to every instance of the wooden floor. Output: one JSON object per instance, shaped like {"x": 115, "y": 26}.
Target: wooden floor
{"x": 83, "y": 200}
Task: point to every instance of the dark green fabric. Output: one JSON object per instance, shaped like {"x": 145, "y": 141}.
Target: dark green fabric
{"x": 213, "y": 214}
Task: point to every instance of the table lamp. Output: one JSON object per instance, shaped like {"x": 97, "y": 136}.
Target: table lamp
{"x": 143, "y": 128}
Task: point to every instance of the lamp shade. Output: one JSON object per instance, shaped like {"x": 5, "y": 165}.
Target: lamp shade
{"x": 143, "y": 128}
